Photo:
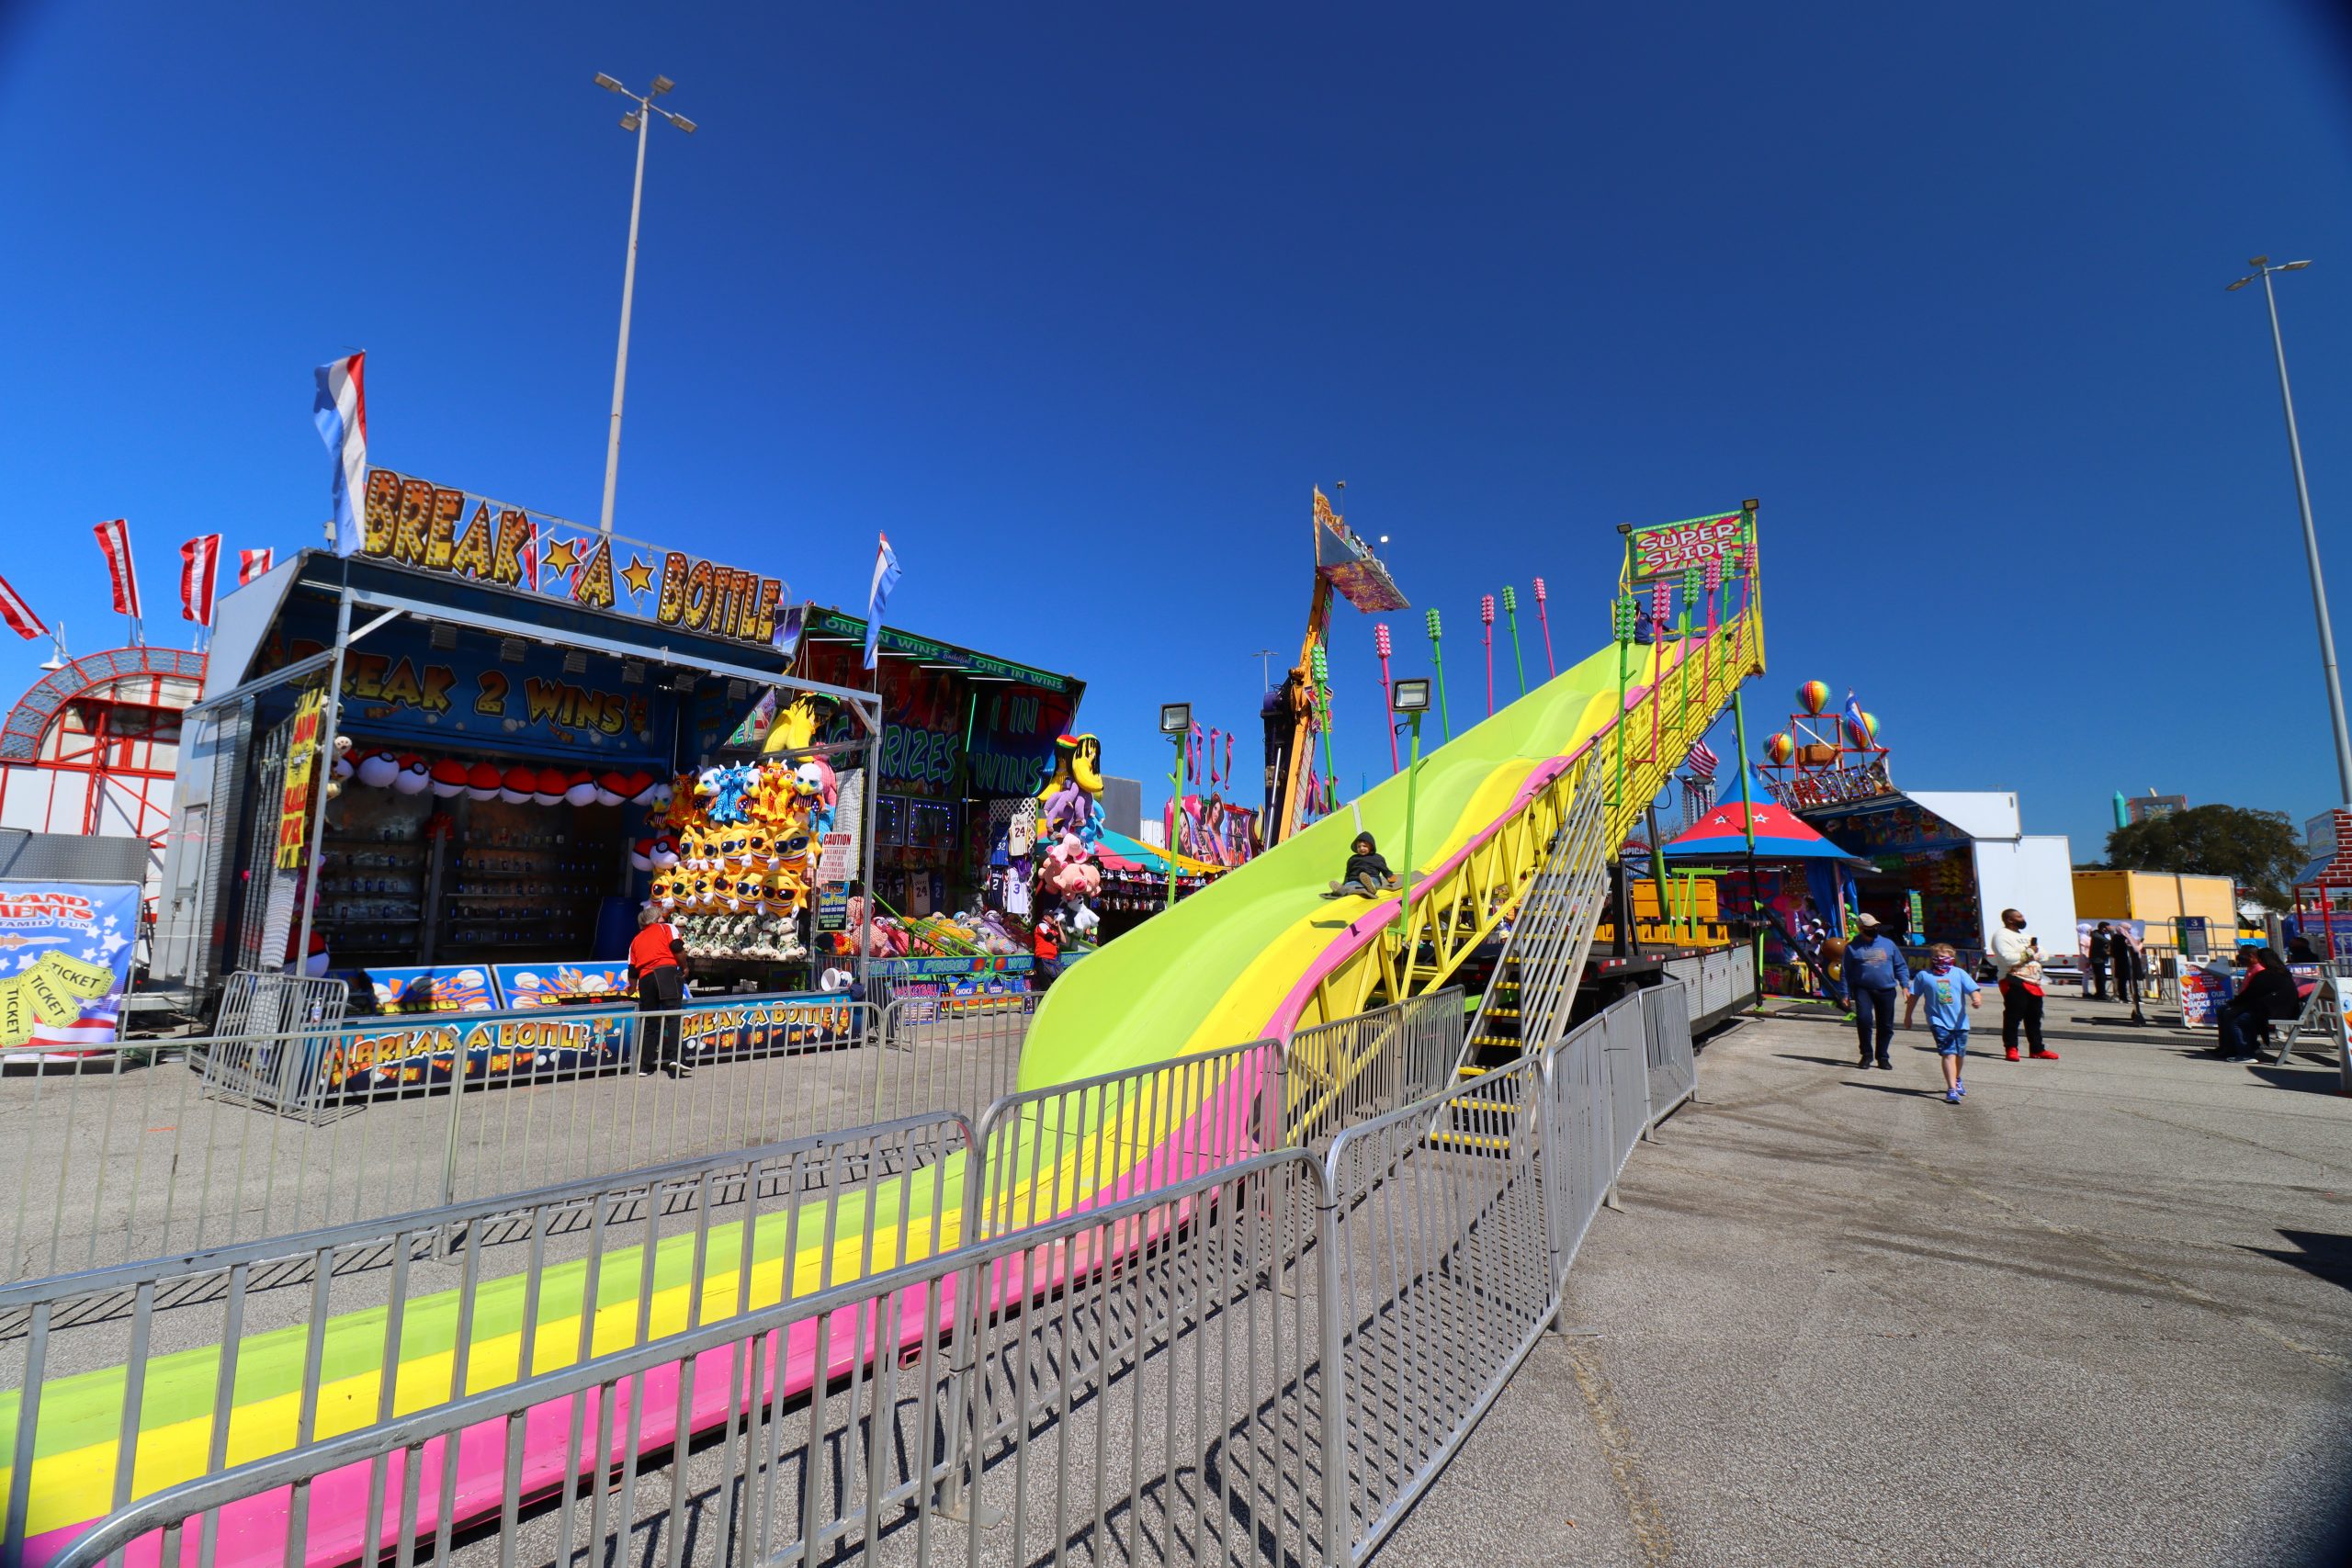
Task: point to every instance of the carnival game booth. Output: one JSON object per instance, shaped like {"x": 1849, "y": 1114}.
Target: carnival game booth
{"x": 1945, "y": 863}
{"x": 966, "y": 737}
{"x": 451, "y": 765}
{"x": 1763, "y": 859}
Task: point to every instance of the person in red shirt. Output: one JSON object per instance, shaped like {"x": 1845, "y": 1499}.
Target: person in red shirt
{"x": 655, "y": 962}
{"x": 1045, "y": 945}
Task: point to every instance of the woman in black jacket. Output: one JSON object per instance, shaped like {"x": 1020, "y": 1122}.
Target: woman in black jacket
{"x": 2269, "y": 994}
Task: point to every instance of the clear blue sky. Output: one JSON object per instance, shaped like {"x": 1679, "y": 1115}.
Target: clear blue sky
{"x": 1078, "y": 301}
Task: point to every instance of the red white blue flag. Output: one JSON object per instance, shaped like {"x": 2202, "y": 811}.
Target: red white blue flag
{"x": 200, "y": 568}
{"x": 254, "y": 563}
{"x": 1702, "y": 761}
{"x": 340, "y": 414}
{"x": 114, "y": 539}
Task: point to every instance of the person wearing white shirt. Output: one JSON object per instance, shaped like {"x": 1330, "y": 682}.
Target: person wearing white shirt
{"x": 2016, "y": 959}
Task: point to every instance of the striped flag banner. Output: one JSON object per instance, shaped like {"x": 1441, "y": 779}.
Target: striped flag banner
{"x": 341, "y": 413}
{"x": 886, "y": 577}
{"x": 200, "y": 568}
{"x": 254, "y": 563}
{"x": 113, "y": 538}
{"x": 17, "y": 614}
{"x": 1702, "y": 759}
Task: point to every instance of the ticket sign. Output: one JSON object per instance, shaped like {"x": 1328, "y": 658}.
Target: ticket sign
{"x": 294, "y": 804}
{"x": 416, "y": 522}
{"x": 1669, "y": 548}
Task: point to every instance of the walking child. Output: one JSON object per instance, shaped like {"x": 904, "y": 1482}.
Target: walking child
{"x": 1951, "y": 992}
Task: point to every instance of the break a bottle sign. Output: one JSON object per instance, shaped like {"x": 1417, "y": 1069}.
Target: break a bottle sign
{"x": 412, "y": 521}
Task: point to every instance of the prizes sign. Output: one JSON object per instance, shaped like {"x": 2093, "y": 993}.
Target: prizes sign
{"x": 65, "y": 959}
{"x": 1667, "y": 550}
{"x": 294, "y": 804}
{"x": 414, "y": 523}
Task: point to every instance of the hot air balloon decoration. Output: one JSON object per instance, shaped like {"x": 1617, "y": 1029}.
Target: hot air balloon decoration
{"x": 1814, "y": 695}
{"x": 1779, "y": 746}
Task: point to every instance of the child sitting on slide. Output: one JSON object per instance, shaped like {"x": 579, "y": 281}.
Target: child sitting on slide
{"x": 1367, "y": 872}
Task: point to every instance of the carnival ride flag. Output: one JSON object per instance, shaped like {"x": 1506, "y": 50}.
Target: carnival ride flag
{"x": 199, "y": 570}
{"x": 64, "y": 959}
{"x": 340, "y": 414}
{"x": 114, "y": 541}
{"x": 1702, "y": 761}
{"x": 254, "y": 563}
{"x": 19, "y": 615}
{"x": 886, "y": 577}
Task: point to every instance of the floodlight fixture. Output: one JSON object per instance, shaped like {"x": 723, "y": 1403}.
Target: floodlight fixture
{"x": 661, "y": 85}
{"x": 1409, "y": 695}
{"x": 607, "y": 83}
{"x": 1175, "y": 718}
{"x": 628, "y": 120}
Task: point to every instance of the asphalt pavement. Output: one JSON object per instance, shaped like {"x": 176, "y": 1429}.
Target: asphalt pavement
{"x": 2096, "y": 1312}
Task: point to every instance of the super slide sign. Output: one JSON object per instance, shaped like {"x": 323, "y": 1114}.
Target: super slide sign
{"x": 414, "y": 523}
{"x": 1667, "y": 550}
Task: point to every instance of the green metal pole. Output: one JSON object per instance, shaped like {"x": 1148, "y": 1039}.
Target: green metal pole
{"x": 1412, "y": 785}
{"x": 1437, "y": 657}
{"x": 1322, "y": 669}
{"x": 1691, "y": 580}
{"x": 1510, "y": 614}
{"x": 1176, "y": 821}
{"x": 1748, "y": 805}
{"x": 1622, "y": 615}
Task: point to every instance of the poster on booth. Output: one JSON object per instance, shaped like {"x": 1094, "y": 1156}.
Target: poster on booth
{"x": 64, "y": 961}
{"x": 562, "y": 984}
{"x": 433, "y": 987}
{"x": 294, "y": 802}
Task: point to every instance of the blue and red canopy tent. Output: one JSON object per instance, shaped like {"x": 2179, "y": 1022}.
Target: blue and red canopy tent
{"x": 1779, "y": 835}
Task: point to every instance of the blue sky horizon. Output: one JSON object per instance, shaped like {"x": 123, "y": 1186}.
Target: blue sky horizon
{"x": 1079, "y": 307}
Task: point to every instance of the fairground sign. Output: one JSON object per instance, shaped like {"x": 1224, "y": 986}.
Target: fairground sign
{"x": 414, "y": 523}
{"x": 1667, "y": 549}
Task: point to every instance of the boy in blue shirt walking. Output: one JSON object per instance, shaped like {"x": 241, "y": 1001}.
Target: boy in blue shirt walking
{"x": 1951, "y": 992}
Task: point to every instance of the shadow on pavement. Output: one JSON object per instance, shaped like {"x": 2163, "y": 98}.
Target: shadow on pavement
{"x": 2321, "y": 1254}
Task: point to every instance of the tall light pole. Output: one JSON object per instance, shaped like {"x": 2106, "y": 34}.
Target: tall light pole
{"x": 637, "y": 120}
{"x": 2263, "y": 268}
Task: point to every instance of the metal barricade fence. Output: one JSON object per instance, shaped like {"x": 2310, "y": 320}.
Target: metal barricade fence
{"x": 1071, "y": 1147}
{"x": 1137, "y": 1391}
{"x": 1434, "y": 1259}
{"x": 1354, "y": 1068}
{"x": 135, "y": 1150}
{"x": 128, "y": 1379}
{"x": 1152, "y": 1339}
{"x": 257, "y": 1006}
{"x": 1666, "y": 1034}
{"x": 950, "y": 1053}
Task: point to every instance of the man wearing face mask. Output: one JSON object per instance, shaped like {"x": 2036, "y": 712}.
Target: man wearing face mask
{"x": 2017, "y": 958}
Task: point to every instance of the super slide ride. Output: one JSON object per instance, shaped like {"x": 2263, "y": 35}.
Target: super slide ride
{"x": 1257, "y": 956}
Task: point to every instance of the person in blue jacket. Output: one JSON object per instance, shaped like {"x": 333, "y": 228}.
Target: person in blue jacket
{"x": 1875, "y": 975}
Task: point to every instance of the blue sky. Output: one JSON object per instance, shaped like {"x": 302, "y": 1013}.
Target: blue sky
{"x": 1079, "y": 302}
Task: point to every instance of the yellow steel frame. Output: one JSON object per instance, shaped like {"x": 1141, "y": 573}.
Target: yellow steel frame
{"x": 1457, "y": 909}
